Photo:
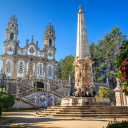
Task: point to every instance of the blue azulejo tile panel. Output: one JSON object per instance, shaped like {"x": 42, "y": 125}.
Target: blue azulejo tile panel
{"x": 44, "y": 99}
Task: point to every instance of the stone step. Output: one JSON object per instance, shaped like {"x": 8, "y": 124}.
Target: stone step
{"x": 86, "y": 115}
{"x": 67, "y": 109}
{"x": 91, "y": 115}
{"x": 87, "y": 107}
{"x": 90, "y": 112}
{"x": 86, "y": 111}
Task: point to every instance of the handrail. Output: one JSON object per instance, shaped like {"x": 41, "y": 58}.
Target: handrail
{"x": 28, "y": 92}
{"x": 32, "y": 102}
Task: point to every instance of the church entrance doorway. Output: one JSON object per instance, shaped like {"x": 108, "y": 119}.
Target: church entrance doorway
{"x": 39, "y": 84}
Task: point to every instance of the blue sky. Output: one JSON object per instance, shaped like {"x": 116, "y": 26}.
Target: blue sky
{"x": 33, "y": 17}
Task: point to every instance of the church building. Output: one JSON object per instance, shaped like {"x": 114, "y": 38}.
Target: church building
{"x": 29, "y": 61}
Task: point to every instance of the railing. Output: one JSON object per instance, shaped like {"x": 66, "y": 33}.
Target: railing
{"x": 25, "y": 99}
{"x": 28, "y": 92}
{"x": 58, "y": 102}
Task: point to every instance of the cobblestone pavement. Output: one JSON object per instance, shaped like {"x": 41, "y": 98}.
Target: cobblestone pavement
{"x": 26, "y": 119}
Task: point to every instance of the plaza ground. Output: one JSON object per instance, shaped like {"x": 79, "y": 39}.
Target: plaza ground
{"x": 25, "y": 119}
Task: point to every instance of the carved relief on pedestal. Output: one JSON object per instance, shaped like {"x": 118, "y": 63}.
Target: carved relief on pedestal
{"x": 84, "y": 76}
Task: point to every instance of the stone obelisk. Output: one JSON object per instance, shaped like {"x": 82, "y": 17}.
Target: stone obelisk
{"x": 83, "y": 63}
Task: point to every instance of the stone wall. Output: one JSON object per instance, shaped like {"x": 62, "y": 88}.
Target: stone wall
{"x": 21, "y": 105}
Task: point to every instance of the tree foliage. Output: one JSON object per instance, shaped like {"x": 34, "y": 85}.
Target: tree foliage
{"x": 7, "y": 100}
{"x": 64, "y": 68}
{"x": 106, "y": 92}
{"x": 122, "y": 65}
{"x": 104, "y": 54}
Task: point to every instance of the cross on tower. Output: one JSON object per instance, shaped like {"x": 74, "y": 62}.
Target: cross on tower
{"x": 32, "y": 38}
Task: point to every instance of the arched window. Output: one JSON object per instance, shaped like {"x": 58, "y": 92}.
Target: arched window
{"x": 49, "y": 72}
{"x": 8, "y": 68}
{"x": 20, "y": 69}
{"x": 50, "y": 42}
{"x": 40, "y": 70}
{"x": 11, "y": 36}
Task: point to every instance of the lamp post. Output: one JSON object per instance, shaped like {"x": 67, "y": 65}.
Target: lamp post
{"x": 3, "y": 81}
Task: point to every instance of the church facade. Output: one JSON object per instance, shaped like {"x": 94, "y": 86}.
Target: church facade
{"x": 29, "y": 61}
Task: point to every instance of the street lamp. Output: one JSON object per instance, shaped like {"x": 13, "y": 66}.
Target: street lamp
{"x": 3, "y": 81}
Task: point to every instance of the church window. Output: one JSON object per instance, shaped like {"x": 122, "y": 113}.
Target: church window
{"x": 12, "y": 25}
{"x": 40, "y": 71}
{"x": 8, "y": 68}
{"x": 11, "y": 36}
{"x": 49, "y": 72}
{"x": 50, "y": 42}
{"x": 20, "y": 69}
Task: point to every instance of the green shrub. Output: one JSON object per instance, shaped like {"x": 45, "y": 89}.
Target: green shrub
{"x": 7, "y": 100}
{"x": 124, "y": 124}
{"x": 106, "y": 92}
{"x": 1, "y": 108}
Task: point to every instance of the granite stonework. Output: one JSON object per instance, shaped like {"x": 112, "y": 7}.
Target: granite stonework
{"x": 82, "y": 101}
{"x": 44, "y": 99}
{"x": 121, "y": 98}
{"x": 21, "y": 105}
{"x": 83, "y": 63}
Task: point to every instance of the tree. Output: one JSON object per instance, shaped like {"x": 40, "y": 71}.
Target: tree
{"x": 7, "y": 100}
{"x": 122, "y": 65}
{"x": 104, "y": 55}
{"x": 65, "y": 67}
{"x": 106, "y": 92}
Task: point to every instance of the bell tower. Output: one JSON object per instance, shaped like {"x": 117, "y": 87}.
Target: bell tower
{"x": 49, "y": 42}
{"x": 10, "y": 44}
{"x": 12, "y": 30}
{"x": 49, "y": 51}
{"x": 49, "y": 38}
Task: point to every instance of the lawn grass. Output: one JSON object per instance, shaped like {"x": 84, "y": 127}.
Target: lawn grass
{"x": 3, "y": 90}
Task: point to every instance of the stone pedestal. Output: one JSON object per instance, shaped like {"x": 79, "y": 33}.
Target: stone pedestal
{"x": 119, "y": 97}
{"x": 83, "y": 101}
{"x": 118, "y": 94}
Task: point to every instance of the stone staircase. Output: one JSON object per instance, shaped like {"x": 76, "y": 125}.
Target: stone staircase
{"x": 33, "y": 90}
{"x": 86, "y": 111}
{"x": 22, "y": 96}
{"x": 25, "y": 99}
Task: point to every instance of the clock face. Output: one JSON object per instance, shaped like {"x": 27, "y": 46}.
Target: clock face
{"x": 50, "y": 53}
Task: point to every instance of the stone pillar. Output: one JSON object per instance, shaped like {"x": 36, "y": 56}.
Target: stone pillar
{"x": 53, "y": 71}
{"x": 44, "y": 69}
{"x": 36, "y": 99}
{"x": 13, "y": 69}
{"x": 16, "y": 68}
{"x": 3, "y": 66}
{"x": 53, "y": 100}
{"x": 25, "y": 68}
{"x": 118, "y": 94}
{"x": 36, "y": 70}
{"x": 7, "y": 87}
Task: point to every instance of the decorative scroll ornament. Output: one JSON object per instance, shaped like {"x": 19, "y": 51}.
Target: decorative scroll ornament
{"x": 10, "y": 49}
{"x": 31, "y": 50}
{"x": 50, "y": 53}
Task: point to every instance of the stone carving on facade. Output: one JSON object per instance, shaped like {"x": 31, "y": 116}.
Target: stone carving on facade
{"x": 50, "y": 53}
{"x": 10, "y": 48}
{"x": 31, "y": 50}
{"x": 21, "y": 51}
